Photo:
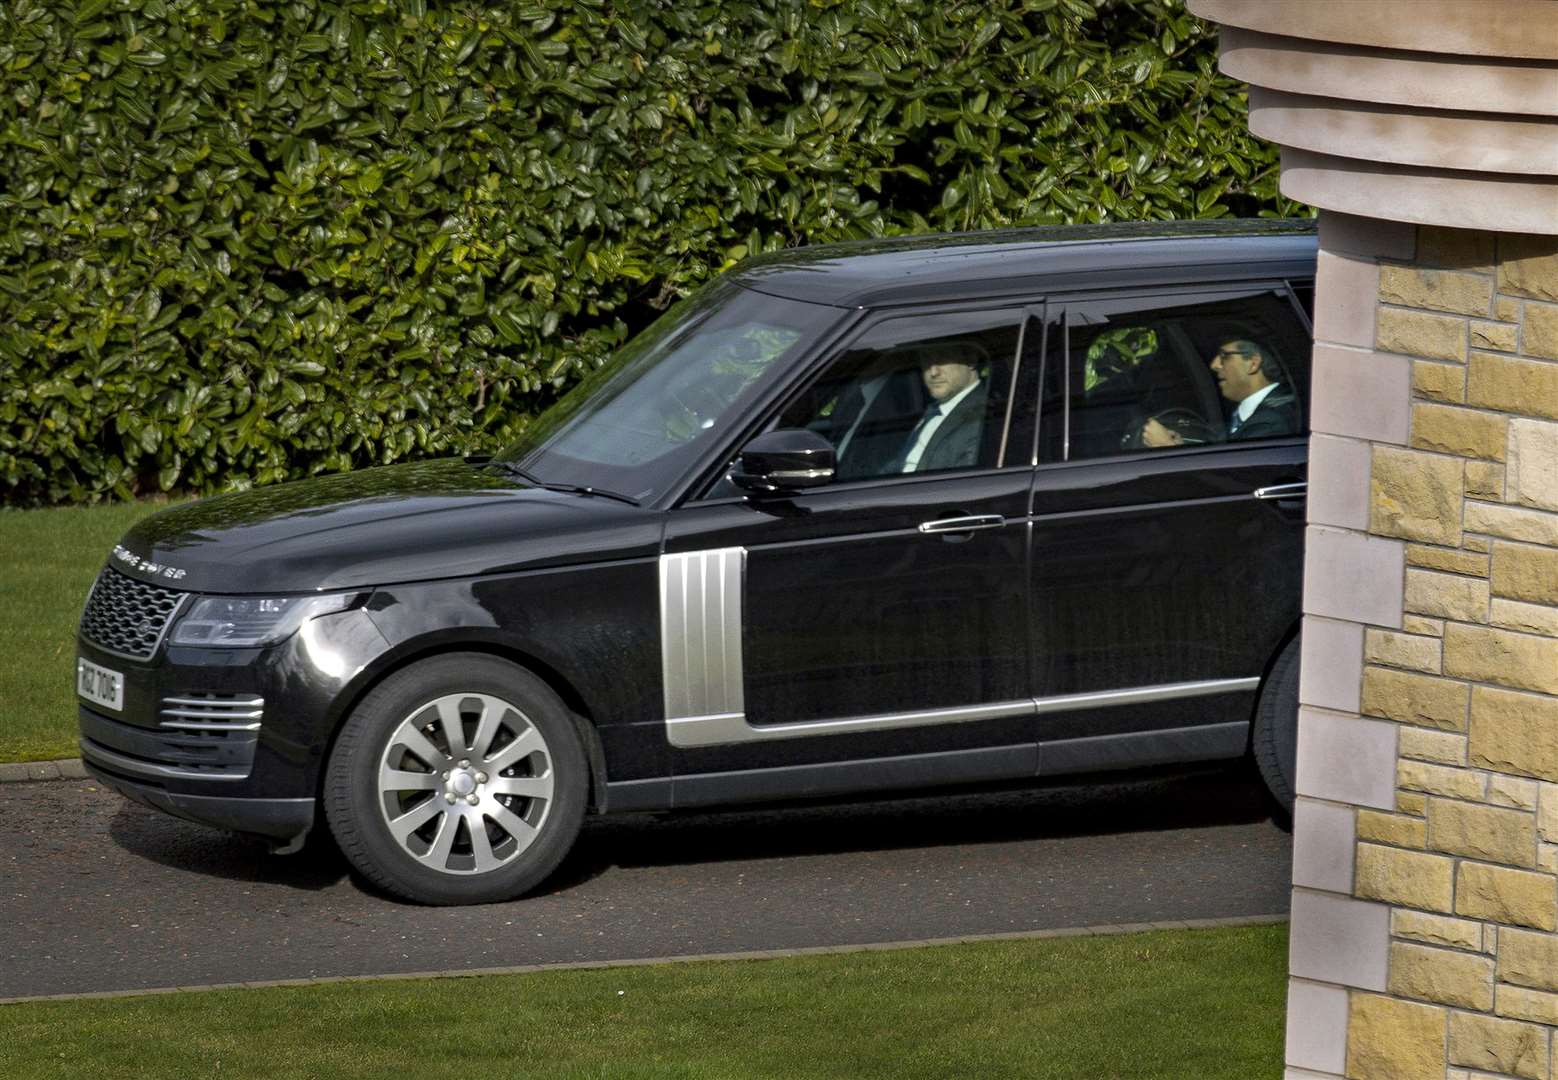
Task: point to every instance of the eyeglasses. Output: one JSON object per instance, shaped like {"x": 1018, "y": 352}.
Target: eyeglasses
{"x": 1223, "y": 354}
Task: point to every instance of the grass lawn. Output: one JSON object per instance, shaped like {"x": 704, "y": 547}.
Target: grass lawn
{"x": 48, "y": 559}
{"x": 1171, "y": 1005}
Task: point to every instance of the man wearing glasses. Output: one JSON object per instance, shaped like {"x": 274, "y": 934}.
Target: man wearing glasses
{"x": 1262, "y": 406}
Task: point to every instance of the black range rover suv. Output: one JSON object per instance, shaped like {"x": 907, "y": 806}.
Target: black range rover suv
{"x": 888, "y": 515}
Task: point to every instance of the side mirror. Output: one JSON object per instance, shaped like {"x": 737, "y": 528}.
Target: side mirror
{"x": 785, "y": 460}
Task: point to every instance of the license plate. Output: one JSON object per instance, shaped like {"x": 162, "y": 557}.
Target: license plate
{"x": 99, "y": 685}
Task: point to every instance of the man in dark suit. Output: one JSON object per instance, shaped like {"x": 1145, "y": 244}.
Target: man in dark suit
{"x": 1263, "y": 406}
{"x": 948, "y": 435}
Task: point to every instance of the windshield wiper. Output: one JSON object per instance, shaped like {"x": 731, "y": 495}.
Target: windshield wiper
{"x": 575, "y": 489}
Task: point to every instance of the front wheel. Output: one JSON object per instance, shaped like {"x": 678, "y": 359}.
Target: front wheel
{"x": 1274, "y": 740}
{"x": 458, "y": 780}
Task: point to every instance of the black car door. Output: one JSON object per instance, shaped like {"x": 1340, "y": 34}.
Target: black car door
{"x": 873, "y": 631}
{"x": 1167, "y": 553}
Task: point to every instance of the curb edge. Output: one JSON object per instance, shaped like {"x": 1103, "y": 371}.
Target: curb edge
{"x": 1108, "y": 930}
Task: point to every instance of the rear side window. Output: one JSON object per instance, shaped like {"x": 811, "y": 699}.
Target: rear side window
{"x": 1144, "y": 374}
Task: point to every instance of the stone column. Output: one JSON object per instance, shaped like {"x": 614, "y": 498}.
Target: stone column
{"x": 1425, "y": 901}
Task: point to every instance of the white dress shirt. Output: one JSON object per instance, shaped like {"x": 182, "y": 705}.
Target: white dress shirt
{"x": 1247, "y": 407}
{"x": 911, "y": 460}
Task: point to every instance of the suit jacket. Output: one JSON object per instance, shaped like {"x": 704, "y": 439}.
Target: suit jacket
{"x": 955, "y": 445}
{"x": 1277, "y": 414}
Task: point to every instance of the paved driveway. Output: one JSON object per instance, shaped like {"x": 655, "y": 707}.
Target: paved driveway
{"x": 99, "y": 894}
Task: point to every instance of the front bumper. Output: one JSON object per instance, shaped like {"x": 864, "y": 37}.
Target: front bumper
{"x": 284, "y": 823}
{"x": 232, "y": 738}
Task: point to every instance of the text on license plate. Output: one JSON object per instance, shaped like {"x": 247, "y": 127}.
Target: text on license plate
{"x": 99, "y": 685}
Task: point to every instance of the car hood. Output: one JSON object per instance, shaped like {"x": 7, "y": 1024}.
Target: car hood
{"x": 398, "y": 523}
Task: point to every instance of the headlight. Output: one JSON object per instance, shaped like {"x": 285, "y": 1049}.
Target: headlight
{"x": 240, "y": 621}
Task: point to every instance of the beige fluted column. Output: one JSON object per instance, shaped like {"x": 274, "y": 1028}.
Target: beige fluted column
{"x": 1425, "y": 899}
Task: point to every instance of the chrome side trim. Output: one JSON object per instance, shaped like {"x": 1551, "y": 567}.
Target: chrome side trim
{"x": 725, "y": 728}
{"x": 1102, "y": 699}
{"x": 136, "y": 767}
{"x": 733, "y": 727}
{"x": 700, "y": 632}
{"x": 801, "y": 474}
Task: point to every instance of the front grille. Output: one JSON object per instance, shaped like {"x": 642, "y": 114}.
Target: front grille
{"x": 127, "y": 616}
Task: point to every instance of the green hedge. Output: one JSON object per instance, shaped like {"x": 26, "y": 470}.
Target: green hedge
{"x": 245, "y": 240}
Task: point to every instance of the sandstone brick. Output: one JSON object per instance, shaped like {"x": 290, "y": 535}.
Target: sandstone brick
{"x": 1514, "y": 733}
{"x": 1488, "y": 654}
{"x": 1528, "y": 959}
{"x": 1436, "y": 290}
{"x": 1442, "y": 976}
{"x": 1531, "y": 477}
{"x": 1512, "y": 791}
{"x": 1446, "y": 596}
{"x": 1474, "y": 543}
{"x": 1547, "y": 815}
{"x": 1411, "y": 802}
{"x": 1490, "y": 939}
{"x": 1506, "y": 1046}
{"x": 1437, "y": 381}
{"x": 1524, "y": 387}
{"x": 1500, "y": 894}
{"x": 1418, "y": 333}
{"x": 1388, "y": 1039}
{"x": 1528, "y": 265}
{"x": 1521, "y": 1004}
{"x": 1450, "y": 560}
{"x": 1506, "y": 309}
{"x": 1436, "y": 929}
{"x": 1452, "y": 430}
{"x": 1414, "y": 699}
{"x": 1439, "y": 780}
{"x": 1491, "y": 833}
{"x": 1418, "y": 624}
{"x": 1547, "y": 858}
{"x": 1527, "y": 618}
{"x": 1398, "y": 830}
{"x": 1457, "y": 249}
{"x": 1497, "y": 336}
{"x": 1513, "y": 523}
{"x": 1410, "y": 878}
{"x": 1540, "y": 334}
{"x": 1415, "y": 495}
{"x": 1525, "y": 572}
{"x": 1442, "y": 747}
{"x": 1484, "y": 480}
{"x": 1401, "y": 650}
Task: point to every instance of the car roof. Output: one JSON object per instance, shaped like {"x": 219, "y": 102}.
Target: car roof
{"x": 1031, "y": 261}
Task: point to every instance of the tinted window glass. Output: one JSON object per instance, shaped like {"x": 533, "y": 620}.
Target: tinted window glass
{"x": 921, "y": 394}
{"x": 1150, "y": 374}
{"x": 641, "y": 420}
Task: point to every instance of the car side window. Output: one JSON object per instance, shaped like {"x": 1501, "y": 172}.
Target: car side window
{"x": 1151, "y": 374}
{"x": 915, "y": 394}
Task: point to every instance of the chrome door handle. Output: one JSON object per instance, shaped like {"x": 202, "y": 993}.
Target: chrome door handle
{"x": 1283, "y": 491}
{"x": 963, "y": 524}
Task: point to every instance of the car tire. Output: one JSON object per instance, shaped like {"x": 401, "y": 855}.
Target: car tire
{"x": 461, "y": 779}
{"x": 1274, "y": 740}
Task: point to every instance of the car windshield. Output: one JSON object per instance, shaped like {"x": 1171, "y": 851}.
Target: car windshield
{"x": 638, "y": 422}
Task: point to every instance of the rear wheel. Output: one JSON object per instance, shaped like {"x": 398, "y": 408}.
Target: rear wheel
{"x": 458, "y": 780}
{"x": 1274, "y": 740}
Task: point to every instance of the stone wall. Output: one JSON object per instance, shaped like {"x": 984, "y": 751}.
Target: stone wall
{"x": 1425, "y": 909}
